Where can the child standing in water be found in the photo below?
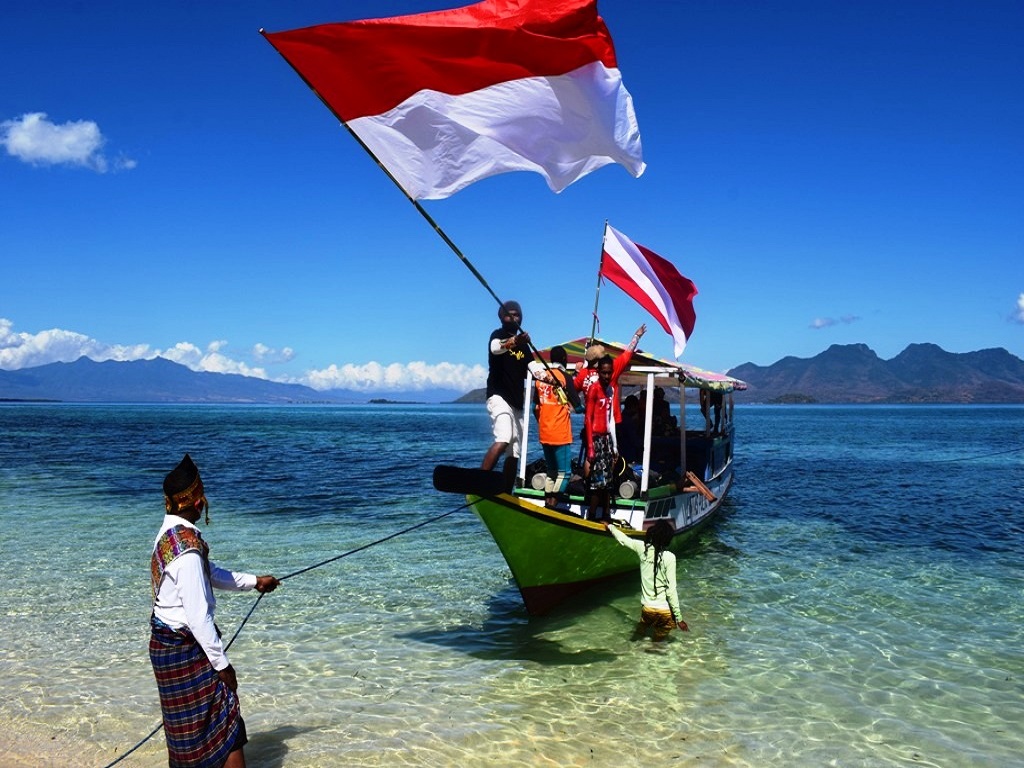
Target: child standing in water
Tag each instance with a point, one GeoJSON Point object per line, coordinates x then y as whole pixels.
{"type": "Point", "coordinates": [659, 599]}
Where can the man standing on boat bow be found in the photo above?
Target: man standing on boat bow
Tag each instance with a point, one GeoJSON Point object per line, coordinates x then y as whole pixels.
{"type": "Point", "coordinates": [508, 358]}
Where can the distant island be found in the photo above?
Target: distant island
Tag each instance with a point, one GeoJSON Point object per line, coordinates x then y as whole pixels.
{"type": "Point", "coordinates": [852, 373]}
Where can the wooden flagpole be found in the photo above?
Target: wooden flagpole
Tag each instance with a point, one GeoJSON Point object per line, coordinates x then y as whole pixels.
{"type": "Point", "coordinates": [423, 212]}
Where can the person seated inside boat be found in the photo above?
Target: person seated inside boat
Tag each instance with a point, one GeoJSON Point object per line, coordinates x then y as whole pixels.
{"type": "Point", "coordinates": [628, 433]}
{"type": "Point", "coordinates": [664, 424]}
{"type": "Point", "coordinates": [661, 407]}
{"type": "Point", "coordinates": [600, 441]}
{"type": "Point", "coordinates": [641, 408]}
{"type": "Point", "coordinates": [664, 455]}
{"type": "Point", "coordinates": [667, 426]}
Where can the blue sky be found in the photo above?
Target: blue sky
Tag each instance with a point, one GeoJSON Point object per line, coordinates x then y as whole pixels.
{"type": "Point", "coordinates": [825, 172]}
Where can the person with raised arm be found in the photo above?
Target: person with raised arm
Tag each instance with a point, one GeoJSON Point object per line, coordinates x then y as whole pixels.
{"type": "Point", "coordinates": [659, 599]}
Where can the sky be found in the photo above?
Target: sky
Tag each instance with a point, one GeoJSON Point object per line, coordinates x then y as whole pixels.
{"type": "Point", "coordinates": [824, 172]}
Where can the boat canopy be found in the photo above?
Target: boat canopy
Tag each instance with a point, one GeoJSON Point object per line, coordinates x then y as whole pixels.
{"type": "Point", "coordinates": [665, 371]}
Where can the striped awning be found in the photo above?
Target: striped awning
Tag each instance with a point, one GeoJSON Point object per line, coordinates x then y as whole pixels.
{"type": "Point", "coordinates": [642, 363]}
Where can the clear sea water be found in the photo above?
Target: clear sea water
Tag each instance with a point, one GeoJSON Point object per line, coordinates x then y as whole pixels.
{"type": "Point", "coordinates": [860, 603]}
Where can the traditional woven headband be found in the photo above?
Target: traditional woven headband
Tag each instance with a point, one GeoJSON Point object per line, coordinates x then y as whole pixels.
{"type": "Point", "coordinates": [189, 496]}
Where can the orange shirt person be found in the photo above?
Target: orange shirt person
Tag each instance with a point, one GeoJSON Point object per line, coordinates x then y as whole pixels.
{"type": "Point", "coordinates": [554, 425]}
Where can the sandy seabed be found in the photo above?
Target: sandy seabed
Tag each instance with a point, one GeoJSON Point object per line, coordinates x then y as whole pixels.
{"type": "Point", "coordinates": [35, 745]}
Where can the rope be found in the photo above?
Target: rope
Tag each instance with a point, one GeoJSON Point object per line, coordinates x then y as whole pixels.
{"type": "Point", "coordinates": [974, 458]}
{"type": "Point", "coordinates": [322, 563]}
{"type": "Point", "coordinates": [378, 541]}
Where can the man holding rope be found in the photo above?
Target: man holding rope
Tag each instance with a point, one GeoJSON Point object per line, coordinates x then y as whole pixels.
{"type": "Point", "coordinates": [197, 684]}
{"type": "Point", "coordinates": [508, 357]}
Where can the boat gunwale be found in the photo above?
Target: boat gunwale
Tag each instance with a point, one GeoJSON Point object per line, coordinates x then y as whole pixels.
{"type": "Point", "coordinates": [526, 506]}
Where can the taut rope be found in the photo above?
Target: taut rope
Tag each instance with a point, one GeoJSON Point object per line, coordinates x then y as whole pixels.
{"type": "Point", "coordinates": [322, 563]}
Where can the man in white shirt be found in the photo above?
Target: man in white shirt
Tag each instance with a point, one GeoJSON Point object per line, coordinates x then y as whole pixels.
{"type": "Point", "coordinates": [197, 684]}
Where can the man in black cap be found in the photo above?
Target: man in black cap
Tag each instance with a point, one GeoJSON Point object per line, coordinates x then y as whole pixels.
{"type": "Point", "coordinates": [197, 684]}
{"type": "Point", "coordinates": [508, 356]}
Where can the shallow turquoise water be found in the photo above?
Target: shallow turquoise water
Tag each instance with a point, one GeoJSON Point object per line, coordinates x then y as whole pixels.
{"type": "Point", "coordinates": [860, 604]}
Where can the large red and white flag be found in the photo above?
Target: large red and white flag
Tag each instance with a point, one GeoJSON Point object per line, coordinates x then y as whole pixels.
{"type": "Point", "coordinates": [447, 98]}
{"type": "Point", "coordinates": [653, 282]}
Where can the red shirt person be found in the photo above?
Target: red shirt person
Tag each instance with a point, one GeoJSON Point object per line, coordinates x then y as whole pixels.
{"type": "Point", "coordinates": [587, 376]}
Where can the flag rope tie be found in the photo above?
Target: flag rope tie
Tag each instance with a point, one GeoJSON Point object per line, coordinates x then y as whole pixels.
{"type": "Point", "coordinates": [322, 563]}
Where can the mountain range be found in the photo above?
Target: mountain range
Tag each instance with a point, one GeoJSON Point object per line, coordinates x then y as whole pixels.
{"type": "Point", "coordinates": [163, 381]}
{"type": "Point", "coordinates": [853, 373]}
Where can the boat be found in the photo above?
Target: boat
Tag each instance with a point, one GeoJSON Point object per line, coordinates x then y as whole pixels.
{"type": "Point", "coordinates": [554, 553]}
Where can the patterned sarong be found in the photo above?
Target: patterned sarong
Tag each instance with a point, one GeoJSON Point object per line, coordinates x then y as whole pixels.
{"type": "Point", "coordinates": [602, 477]}
{"type": "Point", "coordinates": [659, 620]}
{"type": "Point", "coordinates": [202, 720]}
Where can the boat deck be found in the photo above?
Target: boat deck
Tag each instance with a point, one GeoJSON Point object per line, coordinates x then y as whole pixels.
{"type": "Point", "coordinates": [708, 463]}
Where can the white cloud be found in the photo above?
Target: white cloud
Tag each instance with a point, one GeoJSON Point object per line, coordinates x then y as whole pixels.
{"type": "Point", "coordinates": [263, 353]}
{"type": "Point", "coordinates": [216, 362]}
{"type": "Point", "coordinates": [827, 322]}
{"type": "Point", "coordinates": [28, 350]}
{"type": "Point", "coordinates": [1018, 315]}
{"type": "Point", "coordinates": [34, 139]}
{"type": "Point", "coordinates": [415, 376]}
{"type": "Point", "coordinates": [211, 359]}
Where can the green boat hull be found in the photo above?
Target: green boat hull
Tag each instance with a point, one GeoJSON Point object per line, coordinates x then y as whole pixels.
{"type": "Point", "coordinates": [676, 473]}
{"type": "Point", "coordinates": [553, 554]}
